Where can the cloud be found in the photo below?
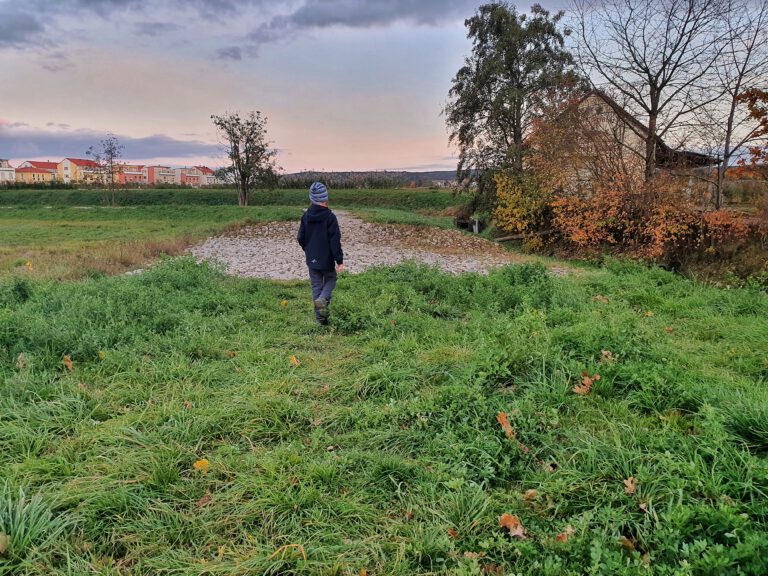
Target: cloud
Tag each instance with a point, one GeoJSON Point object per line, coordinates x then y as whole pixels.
{"type": "Point", "coordinates": [154, 29]}
{"type": "Point", "coordinates": [318, 14]}
{"type": "Point", "coordinates": [17, 28]}
{"type": "Point", "coordinates": [230, 53]}
{"type": "Point", "coordinates": [20, 140]}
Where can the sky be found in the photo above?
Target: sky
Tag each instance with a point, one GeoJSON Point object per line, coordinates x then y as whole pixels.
{"type": "Point", "coordinates": [344, 84]}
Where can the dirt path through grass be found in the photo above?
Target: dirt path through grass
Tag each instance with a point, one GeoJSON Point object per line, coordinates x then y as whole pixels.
{"type": "Point", "coordinates": [269, 250]}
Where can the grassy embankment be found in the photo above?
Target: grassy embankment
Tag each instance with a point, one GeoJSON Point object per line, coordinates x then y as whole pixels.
{"type": "Point", "coordinates": [68, 234]}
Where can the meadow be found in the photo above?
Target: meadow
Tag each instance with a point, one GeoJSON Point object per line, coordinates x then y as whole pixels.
{"type": "Point", "coordinates": [181, 421]}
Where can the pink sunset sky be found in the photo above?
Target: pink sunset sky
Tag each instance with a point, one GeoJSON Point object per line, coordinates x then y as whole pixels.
{"type": "Point", "coordinates": [345, 85]}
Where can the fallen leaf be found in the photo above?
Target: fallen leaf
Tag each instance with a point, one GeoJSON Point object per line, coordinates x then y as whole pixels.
{"type": "Point", "coordinates": [188, 405]}
{"type": "Point", "coordinates": [512, 523]}
{"type": "Point", "coordinates": [530, 495]}
{"type": "Point", "coordinates": [293, 360]}
{"type": "Point", "coordinates": [230, 353]}
{"type": "Point", "coordinates": [363, 572]}
{"type": "Point", "coordinates": [453, 534]}
{"type": "Point", "coordinates": [606, 356]}
{"type": "Point", "coordinates": [626, 543]}
{"type": "Point", "coordinates": [473, 555]}
{"type": "Point", "coordinates": [586, 383]}
{"type": "Point", "coordinates": [563, 536]}
{"type": "Point", "coordinates": [283, 303]}
{"type": "Point", "coordinates": [629, 485]}
{"type": "Point", "coordinates": [648, 314]}
{"type": "Point", "coordinates": [5, 543]}
{"type": "Point", "coordinates": [202, 465]}
{"type": "Point", "coordinates": [21, 362]}
{"type": "Point", "coordinates": [205, 500]}
{"type": "Point", "coordinates": [67, 361]}
{"type": "Point", "coordinates": [28, 265]}
{"type": "Point", "coordinates": [643, 506]}
{"type": "Point", "coordinates": [502, 419]}
{"type": "Point", "coordinates": [600, 298]}
{"type": "Point", "coordinates": [669, 329]}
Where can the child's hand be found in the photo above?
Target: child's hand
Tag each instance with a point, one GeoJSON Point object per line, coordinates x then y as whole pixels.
{"type": "Point", "coordinates": [340, 268]}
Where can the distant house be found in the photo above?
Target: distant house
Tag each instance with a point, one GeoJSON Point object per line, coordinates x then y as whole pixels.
{"type": "Point", "coordinates": [159, 175]}
{"type": "Point", "coordinates": [79, 170]}
{"type": "Point", "coordinates": [32, 175]}
{"type": "Point", "coordinates": [51, 167]}
{"type": "Point", "coordinates": [132, 174]}
{"type": "Point", "coordinates": [207, 176]}
{"type": "Point", "coordinates": [7, 172]}
{"type": "Point", "coordinates": [188, 177]}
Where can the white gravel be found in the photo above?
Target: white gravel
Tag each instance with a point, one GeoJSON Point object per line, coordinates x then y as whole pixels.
{"type": "Point", "coordinates": [270, 250]}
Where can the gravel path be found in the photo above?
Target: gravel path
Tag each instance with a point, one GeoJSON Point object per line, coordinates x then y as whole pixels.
{"type": "Point", "coordinates": [270, 250]}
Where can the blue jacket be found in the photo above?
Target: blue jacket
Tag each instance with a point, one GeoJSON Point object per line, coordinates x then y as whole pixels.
{"type": "Point", "coordinates": [320, 238]}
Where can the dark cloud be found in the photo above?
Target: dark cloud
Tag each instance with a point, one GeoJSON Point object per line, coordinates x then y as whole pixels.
{"type": "Point", "coordinates": [230, 53]}
{"type": "Point", "coordinates": [20, 141]}
{"type": "Point", "coordinates": [155, 29]}
{"type": "Point", "coordinates": [314, 14]}
{"type": "Point", "coordinates": [18, 29]}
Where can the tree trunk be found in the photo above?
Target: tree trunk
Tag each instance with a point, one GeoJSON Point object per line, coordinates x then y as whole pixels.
{"type": "Point", "coordinates": [650, 147]}
{"type": "Point", "coordinates": [242, 196]}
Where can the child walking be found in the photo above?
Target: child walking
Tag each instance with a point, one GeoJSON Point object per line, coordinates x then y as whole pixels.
{"type": "Point", "coordinates": [320, 238]}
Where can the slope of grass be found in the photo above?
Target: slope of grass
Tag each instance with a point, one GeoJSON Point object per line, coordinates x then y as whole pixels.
{"type": "Point", "coordinates": [205, 425]}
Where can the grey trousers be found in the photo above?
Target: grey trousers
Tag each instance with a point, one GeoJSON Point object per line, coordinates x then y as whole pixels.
{"type": "Point", "coordinates": [323, 282]}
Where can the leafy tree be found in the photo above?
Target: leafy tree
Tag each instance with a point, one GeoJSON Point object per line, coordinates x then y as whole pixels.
{"type": "Point", "coordinates": [245, 141]}
{"type": "Point", "coordinates": [107, 158]}
{"type": "Point", "coordinates": [518, 67]}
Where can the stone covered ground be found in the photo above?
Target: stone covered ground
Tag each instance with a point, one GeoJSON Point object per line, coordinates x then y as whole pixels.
{"type": "Point", "coordinates": [270, 250]}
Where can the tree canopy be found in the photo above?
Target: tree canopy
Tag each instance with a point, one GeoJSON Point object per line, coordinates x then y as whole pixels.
{"type": "Point", "coordinates": [518, 67]}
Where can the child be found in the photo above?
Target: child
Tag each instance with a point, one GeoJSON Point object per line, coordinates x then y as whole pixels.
{"type": "Point", "coordinates": [320, 238]}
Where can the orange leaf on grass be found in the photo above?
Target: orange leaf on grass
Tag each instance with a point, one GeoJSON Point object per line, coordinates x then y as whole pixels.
{"type": "Point", "coordinates": [202, 465]}
{"type": "Point", "coordinates": [293, 360]}
{"type": "Point", "coordinates": [502, 419]}
{"type": "Point", "coordinates": [530, 495]}
{"type": "Point", "coordinates": [586, 383]}
{"type": "Point", "coordinates": [563, 536]}
{"type": "Point", "coordinates": [67, 361]}
{"type": "Point", "coordinates": [512, 523]}
{"type": "Point", "coordinates": [453, 534]}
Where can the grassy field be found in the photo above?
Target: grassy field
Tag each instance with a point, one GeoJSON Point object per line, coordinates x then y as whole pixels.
{"type": "Point", "coordinates": [69, 234]}
{"type": "Point", "coordinates": [184, 422]}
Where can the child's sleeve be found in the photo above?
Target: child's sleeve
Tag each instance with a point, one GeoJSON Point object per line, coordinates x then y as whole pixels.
{"type": "Point", "coordinates": [301, 236]}
{"type": "Point", "coordinates": [334, 236]}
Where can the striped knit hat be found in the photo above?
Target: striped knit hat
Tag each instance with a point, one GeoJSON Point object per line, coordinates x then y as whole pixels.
{"type": "Point", "coordinates": [318, 193]}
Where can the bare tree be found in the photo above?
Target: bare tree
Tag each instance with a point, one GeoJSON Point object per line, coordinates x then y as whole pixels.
{"type": "Point", "coordinates": [727, 125]}
{"type": "Point", "coordinates": [108, 166]}
{"type": "Point", "coordinates": [657, 54]}
{"type": "Point", "coordinates": [246, 145]}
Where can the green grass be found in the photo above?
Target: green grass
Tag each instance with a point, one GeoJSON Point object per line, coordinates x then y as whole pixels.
{"type": "Point", "coordinates": [381, 450]}
{"type": "Point", "coordinates": [396, 199]}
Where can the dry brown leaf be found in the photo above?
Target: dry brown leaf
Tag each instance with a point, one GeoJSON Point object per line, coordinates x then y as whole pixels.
{"type": "Point", "coordinates": [564, 536]}
{"type": "Point", "coordinates": [600, 298]}
{"type": "Point", "coordinates": [512, 523]}
{"type": "Point", "coordinates": [629, 485]}
{"type": "Point", "coordinates": [205, 500]}
{"type": "Point", "coordinates": [453, 534]}
{"type": "Point", "coordinates": [21, 362]}
{"type": "Point", "coordinates": [5, 543]}
{"type": "Point", "coordinates": [530, 495]}
{"type": "Point", "coordinates": [293, 360]}
{"type": "Point", "coordinates": [669, 329]}
{"type": "Point", "coordinates": [67, 361]}
{"type": "Point", "coordinates": [606, 356]}
{"type": "Point", "coordinates": [188, 405]}
{"type": "Point", "coordinates": [648, 314]}
{"type": "Point", "coordinates": [626, 543]}
{"type": "Point", "coordinates": [230, 353]}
